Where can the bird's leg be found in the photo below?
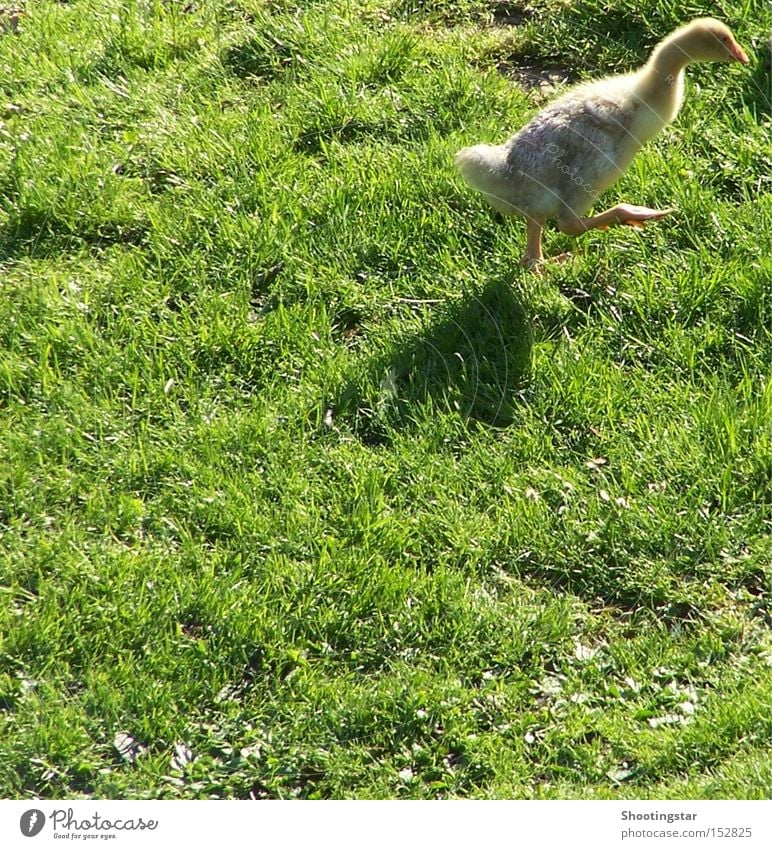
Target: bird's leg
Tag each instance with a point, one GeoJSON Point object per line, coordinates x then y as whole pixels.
{"type": "Point", "coordinates": [533, 255]}
{"type": "Point", "coordinates": [622, 213]}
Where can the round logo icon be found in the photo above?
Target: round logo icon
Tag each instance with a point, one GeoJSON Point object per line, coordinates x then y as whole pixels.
{"type": "Point", "coordinates": [32, 822]}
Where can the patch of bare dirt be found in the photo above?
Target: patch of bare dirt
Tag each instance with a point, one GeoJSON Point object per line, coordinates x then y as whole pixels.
{"type": "Point", "coordinates": [540, 80]}
{"type": "Point", "coordinates": [508, 14]}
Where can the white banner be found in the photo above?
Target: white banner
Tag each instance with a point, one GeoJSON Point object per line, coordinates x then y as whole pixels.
{"type": "Point", "coordinates": [373, 824]}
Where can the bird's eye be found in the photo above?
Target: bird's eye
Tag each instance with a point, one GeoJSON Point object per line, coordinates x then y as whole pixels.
{"type": "Point", "coordinates": [725, 39]}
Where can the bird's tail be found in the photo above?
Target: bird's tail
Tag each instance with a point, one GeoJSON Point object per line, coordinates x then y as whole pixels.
{"type": "Point", "coordinates": [484, 168]}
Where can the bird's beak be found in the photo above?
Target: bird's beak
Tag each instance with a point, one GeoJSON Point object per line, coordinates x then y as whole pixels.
{"type": "Point", "coordinates": [738, 53]}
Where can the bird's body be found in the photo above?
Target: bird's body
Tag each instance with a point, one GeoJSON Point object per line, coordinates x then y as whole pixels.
{"type": "Point", "coordinates": [582, 143]}
{"type": "Point", "coordinates": [563, 159]}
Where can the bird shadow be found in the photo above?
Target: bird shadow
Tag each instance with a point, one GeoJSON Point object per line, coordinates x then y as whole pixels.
{"type": "Point", "coordinates": [470, 358]}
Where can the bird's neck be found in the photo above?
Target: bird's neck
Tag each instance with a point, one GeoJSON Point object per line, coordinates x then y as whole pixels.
{"type": "Point", "coordinates": [670, 57]}
{"type": "Point", "coordinates": [661, 80]}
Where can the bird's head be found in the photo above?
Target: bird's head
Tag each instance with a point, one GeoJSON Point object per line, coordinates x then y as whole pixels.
{"type": "Point", "coordinates": [709, 40]}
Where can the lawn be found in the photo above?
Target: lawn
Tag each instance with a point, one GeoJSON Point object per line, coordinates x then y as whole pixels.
{"type": "Point", "coordinates": [307, 488]}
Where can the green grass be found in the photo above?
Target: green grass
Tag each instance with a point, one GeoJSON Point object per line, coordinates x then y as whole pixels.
{"type": "Point", "coordinates": [306, 487]}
